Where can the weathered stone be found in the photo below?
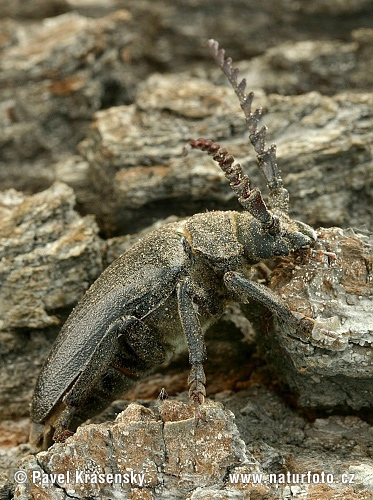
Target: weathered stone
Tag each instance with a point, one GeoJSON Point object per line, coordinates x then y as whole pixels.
{"type": "Point", "coordinates": [9, 32]}
{"type": "Point", "coordinates": [137, 167]}
{"type": "Point", "coordinates": [49, 256]}
{"type": "Point", "coordinates": [173, 457]}
{"type": "Point", "coordinates": [136, 152]}
{"type": "Point", "coordinates": [164, 32]}
{"type": "Point", "coordinates": [180, 459]}
{"type": "Point", "coordinates": [37, 9]}
{"type": "Point", "coordinates": [22, 354]}
{"type": "Point", "coordinates": [337, 7]}
{"type": "Point", "coordinates": [285, 441]}
{"type": "Point", "coordinates": [52, 81]}
{"type": "Point", "coordinates": [364, 71]}
{"type": "Point", "coordinates": [331, 364]}
{"type": "Point", "coordinates": [297, 67]}
{"type": "Point", "coordinates": [319, 138]}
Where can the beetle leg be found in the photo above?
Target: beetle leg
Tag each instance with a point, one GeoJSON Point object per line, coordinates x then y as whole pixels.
{"type": "Point", "coordinates": [142, 341]}
{"type": "Point", "coordinates": [196, 344]}
{"type": "Point", "coordinates": [136, 337]}
{"type": "Point", "coordinates": [244, 289]}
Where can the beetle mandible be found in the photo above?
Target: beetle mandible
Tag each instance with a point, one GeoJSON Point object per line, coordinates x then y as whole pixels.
{"type": "Point", "coordinates": [166, 290]}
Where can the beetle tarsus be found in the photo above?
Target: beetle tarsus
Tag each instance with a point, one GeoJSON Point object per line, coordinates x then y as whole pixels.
{"type": "Point", "coordinates": [60, 437]}
{"type": "Point", "coordinates": [197, 381]}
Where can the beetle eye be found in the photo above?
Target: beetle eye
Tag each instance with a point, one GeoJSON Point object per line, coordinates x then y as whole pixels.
{"type": "Point", "coordinates": [277, 252]}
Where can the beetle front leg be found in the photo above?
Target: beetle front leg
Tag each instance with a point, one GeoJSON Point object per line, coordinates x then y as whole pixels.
{"type": "Point", "coordinates": [196, 344]}
{"type": "Point", "coordinates": [244, 289]}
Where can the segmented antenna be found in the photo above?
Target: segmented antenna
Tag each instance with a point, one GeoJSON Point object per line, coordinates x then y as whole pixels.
{"type": "Point", "coordinates": [250, 199]}
{"type": "Point", "coordinates": [266, 157]}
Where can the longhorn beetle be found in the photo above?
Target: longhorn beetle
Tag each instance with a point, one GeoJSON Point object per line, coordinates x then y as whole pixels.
{"type": "Point", "coordinates": [167, 289]}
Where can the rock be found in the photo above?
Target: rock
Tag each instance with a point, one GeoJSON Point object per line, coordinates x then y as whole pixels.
{"type": "Point", "coordinates": [51, 82]}
{"type": "Point", "coordinates": [285, 441]}
{"type": "Point", "coordinates": [297, 67]}
{"type": "Point", "coordinates": [48, 98]}
{"type": "Point", "coordinates": [163, 32]}
{"type": "Point", "coordinates": [337, 8]}
{"type": "Point", "coordinates": [136, 156]}
{"type": "Point", "coordinates": [167, 455]}
{"type": "Point", "coordinates": [331, 364]}
{"type": "Point", "coordinates": [22, 355]}
{"type": "Point", "coordinates": [37, 9]}
{"type": "Point", "coordinates": [315, 144]}
{"type": "Point", "coordinates": [300, 67]}
{"type": "Point", "coordinates": [162, 453]}
{"type": "Point", "coordinates": [136, 162]}
{"type": "Point", "coordinates": [49, 256]}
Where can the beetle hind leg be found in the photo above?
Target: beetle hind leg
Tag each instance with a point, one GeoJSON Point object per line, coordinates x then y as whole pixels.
{"type": "Point", "coordinates": [142, 341]}
{"type": "Point", "coordinates": [124, 353]}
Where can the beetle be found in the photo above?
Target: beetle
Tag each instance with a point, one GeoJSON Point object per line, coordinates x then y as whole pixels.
{"type": "Point", "coordinates": [161, 295]}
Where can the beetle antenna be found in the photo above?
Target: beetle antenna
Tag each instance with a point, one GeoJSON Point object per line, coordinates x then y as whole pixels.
{"type": "Point", "coordinates": [267, 160]}
{"type": "Point", "coordinates": [250, 199]}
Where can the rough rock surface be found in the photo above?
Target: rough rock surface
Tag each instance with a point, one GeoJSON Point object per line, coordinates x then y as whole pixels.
{"type": "Point", "coordinates": [49, 256]}
{"type": "Point", "coordinates": [250, 28]}
{"type": "Point", "coordinates": [330, 364]}
{"type": "Point", "coordinates": [136, 156]}
{"type": "Point", "coordinates": [51, 82]}
{"type": "Point", "coordinates": [297, 67]}
{"type": "Point", "coordinates": [37, 9]}
{"type": "Point", "coordinates": [56, 73]}
{"type": "Point", "coordinates": [164, 454]}
{"type": "Point", "coordinates": [137, 165]}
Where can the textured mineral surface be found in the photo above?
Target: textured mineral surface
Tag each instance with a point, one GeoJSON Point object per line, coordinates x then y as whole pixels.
{"type": "Point", "coordinates": [97, 101]}
{"type": "Point", "coordinates": [330, 363]}
{"type": "Point", "coordinates": [166, 453]}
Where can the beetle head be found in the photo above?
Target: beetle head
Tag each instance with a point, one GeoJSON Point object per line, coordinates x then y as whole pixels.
{"type": "Point", "coordinates": [283, 236]}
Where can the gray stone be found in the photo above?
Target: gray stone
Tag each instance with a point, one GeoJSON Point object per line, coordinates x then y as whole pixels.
{"type": "Point", "coordinates": [331, 364]}
{"type": "Point", "coordinates": [296, 67]}
{"type": "Point", "coordinates": [180, 459]}
{"type": "Point", "coordinates": [51, 82]}
{"type": "Point", "coordinates": [37, 9]}
{"type": "Point", "coordinates": [173, 454]}
{"type": "Point", "coordinates": [49, 256]}
{"type": "Point", "coordinates": [136, 156]}
{"type": "Point", "coordinates": [137, 166]}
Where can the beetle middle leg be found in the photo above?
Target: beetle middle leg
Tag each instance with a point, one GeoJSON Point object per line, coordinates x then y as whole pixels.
{"type": "Point", "coordinates": [196, 344]}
